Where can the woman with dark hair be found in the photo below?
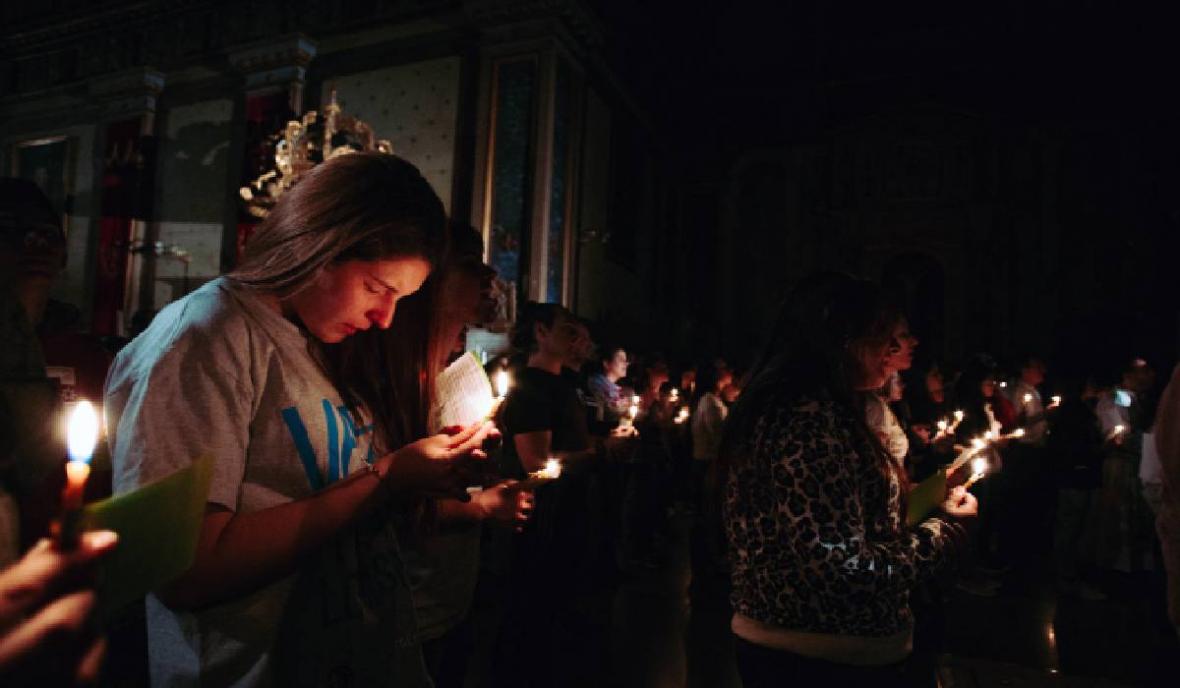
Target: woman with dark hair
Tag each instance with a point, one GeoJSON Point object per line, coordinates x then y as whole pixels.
{"type": "Point", "coordinates": [823, 563]}
{"type": "Point", "coordinates": [604, 384]}
{"type": "Point", "coordinates": [235, 372]}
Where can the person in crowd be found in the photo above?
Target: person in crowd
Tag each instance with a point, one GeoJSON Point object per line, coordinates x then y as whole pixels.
{"type": "Point", "coordinates": [440, 538]}
{"type": "Point", "coordinates": [928, 405]}
{"type": "Point", "coordinates": [1074, 448]}
{"type": "Point", "coordinates": [1029, 475]}
{"type": "Point", "coordinates": [823, 563]}
{"type": "Point", "coordinates": [1167, 442]}
{"type": "Point", "coordinates": [48, 634]}
{"type": "Point", "coordinates": [604, 384]}
{"type": "Point", "coordinates": [708, 420]}
{"type": "Point", "coordinates": [977, 395]}
{"type": "Point", "coordinates": [46, 363]}
{"type": "Point", "coordinates": [235, 371]}
{"type": "Point", "coordinates": [1124, 537]}
{"type": "Point", "coordinates": [541, 418]}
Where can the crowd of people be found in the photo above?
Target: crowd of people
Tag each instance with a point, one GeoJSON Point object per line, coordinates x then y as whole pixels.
{"type": "Point", "coordinates": [346, 541]}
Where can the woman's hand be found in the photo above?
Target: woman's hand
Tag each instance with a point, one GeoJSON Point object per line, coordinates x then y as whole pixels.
{"type": "Point", "coordinates": [442, 465]}
{"type": "Point", "coordinates": [47, 634]}
{"type": "Point", "coordinates": [507, 503]}
{"type": "Point", "coordinates": [961, 504]}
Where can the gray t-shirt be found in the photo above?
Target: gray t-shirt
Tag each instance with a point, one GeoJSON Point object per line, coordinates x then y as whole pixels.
{"type": "Point", "coordinates": [220, 373]}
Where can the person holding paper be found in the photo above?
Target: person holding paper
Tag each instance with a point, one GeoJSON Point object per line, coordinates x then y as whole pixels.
{"type": "Point", "coordinates": [234, 371]}
{"type": "Point", "coordinates": [823, 564]}
{"type": "Point", "coordinates": [441, 537]}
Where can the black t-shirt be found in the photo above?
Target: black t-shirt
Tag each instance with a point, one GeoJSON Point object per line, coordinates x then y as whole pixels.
{"type": "Point", "coordinates": [541, 401]}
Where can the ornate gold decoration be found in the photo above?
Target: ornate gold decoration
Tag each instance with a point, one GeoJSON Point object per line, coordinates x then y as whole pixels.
{"type": "Point", "coordinates": [302, 145]}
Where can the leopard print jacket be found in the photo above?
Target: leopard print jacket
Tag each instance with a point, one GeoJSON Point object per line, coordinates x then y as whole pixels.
{"type": "Point", "coordinates": [817, 538]}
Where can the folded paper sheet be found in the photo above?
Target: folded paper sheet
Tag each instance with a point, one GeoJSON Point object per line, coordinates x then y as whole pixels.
{"type": "Point", "coordinates": [926, 497]}
{"type": "Point", "coordinates": [463, 394]}
{"type": "Point", "coordinates": [158, 526]}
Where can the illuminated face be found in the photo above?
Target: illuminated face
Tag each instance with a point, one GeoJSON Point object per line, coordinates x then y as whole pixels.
{"type": "Point", "coordinates": [356, 295]}
{"type": "Point", "coordinates": [900, 355]}
{"type": "Point", "coordinates": [562, 341]}
{"type": "Point", "coordinates": [616, 366]}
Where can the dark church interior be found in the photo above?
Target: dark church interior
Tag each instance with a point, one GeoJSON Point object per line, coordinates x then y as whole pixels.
{"type": "Point", "coordinates": [690, 221]}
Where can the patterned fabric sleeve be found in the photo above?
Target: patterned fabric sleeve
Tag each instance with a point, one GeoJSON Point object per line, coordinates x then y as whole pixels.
{"type": "Point", "coordinates": [816, 475]}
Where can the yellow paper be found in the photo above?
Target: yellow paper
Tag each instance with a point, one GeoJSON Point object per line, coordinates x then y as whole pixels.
{"type": "Point", "coordinates": [158, 526]}
{"type": "Point", "coordinates": [926, 497]}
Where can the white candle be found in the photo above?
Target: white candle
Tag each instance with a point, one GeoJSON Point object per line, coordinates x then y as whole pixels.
{"type": "Point", "coordinates": [502, 384]}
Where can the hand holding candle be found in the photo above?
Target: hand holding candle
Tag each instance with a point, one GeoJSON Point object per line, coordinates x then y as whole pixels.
{"type": "Point", "coordinates": [551, 471]}
{"type": "Point", "coordinates": [502, 384]}
{"type": "Point", "coordinates": [978, 470]}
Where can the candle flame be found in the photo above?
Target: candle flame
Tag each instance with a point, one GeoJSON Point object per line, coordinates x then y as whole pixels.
{"type": "Point", "coordinates": [633, 411]}
{"type": "Point", "coordinates": [942, 424]}
{"type": "Point", "coordinates": [1056, 399]}
{"type": "Point", "coordinates": [77, 472]}
{"type": "Point", "coordinates": [989, 435]}
{"type": "Point", "coordinates": [502, 383]}
{"type": "Point", "coordinates": [979, 465]}
{"type": "Point", "coordinates": [1018, 432]}
{"type": "Point", "coordinates": [978, 443]}
{"type": "Point", "coordinates": [552, 469]}
{"type": "Point", "coordinates": [1118, 429]}
{"type": "Point", "coordinates": [83, 432]}
{"type": "Point", "coordinates": [1027, 398]}
{"type": "Point", "coordinates": [959, 416]}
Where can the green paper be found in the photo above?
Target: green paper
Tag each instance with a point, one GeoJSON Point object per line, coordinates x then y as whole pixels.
{"type": "Point", "coordinates": [158, 526]}
{"type": "Point", "coordinates": [926, 497]}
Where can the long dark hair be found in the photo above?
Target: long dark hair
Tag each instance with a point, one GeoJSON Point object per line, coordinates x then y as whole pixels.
{"type": "Point", "coordinates": [812, 352]}
{"type": "Point", "coordinates": [392, 372]}
{"type": "Point", "coordinates": [360, 206]}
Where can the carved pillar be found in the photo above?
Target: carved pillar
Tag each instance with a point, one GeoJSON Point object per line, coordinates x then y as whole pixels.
{"type": "Point", "coordinates": [274, 72]}
{"type": "Point", "coordinates": [127, 108]}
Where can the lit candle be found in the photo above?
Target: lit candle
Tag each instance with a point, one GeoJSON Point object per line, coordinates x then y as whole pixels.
{"type": "Point", "coordinates": [1015, 434]}
{"type": "Point", "coordinates": [978, 470]}
{"type": "Point", "coordinates": [502, 384]}
{"type": "Point", "coordinates": [81, 436]}
{"type": "Point", "coordinates": [1055, 401]}
{"type": "Point", "coordinates": [1028, 398]}
{"type": "Point", "coordinates": [978, 443]}
{"type": "Point", "coordinates": [674, 395]}
{"type": "Point", "coordinates": [1003, 385]}
{"type": "Point", "coordinates": [682, 415]}
{"type": "Point", "coordinates": [551, 471]}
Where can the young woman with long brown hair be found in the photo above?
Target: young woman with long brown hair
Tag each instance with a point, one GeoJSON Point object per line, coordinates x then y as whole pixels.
{"type": "Point", "coordinates": [234, 371]}
{"type": "Point", "coordinates": [823, 563]}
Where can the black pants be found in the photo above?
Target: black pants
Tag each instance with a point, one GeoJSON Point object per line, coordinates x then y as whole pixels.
{"type": "Point", "coordinates": [762, 667]}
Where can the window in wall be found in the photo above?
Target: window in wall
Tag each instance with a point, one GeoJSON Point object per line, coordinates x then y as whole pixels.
{"type": "Point", "coordinates": [559, 196]}
{"type": "Point", "coordinates": [513, 116]}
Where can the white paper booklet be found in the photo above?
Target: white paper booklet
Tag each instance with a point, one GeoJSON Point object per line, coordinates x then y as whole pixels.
{"type": "Point", "coordinates": [463, 394]}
